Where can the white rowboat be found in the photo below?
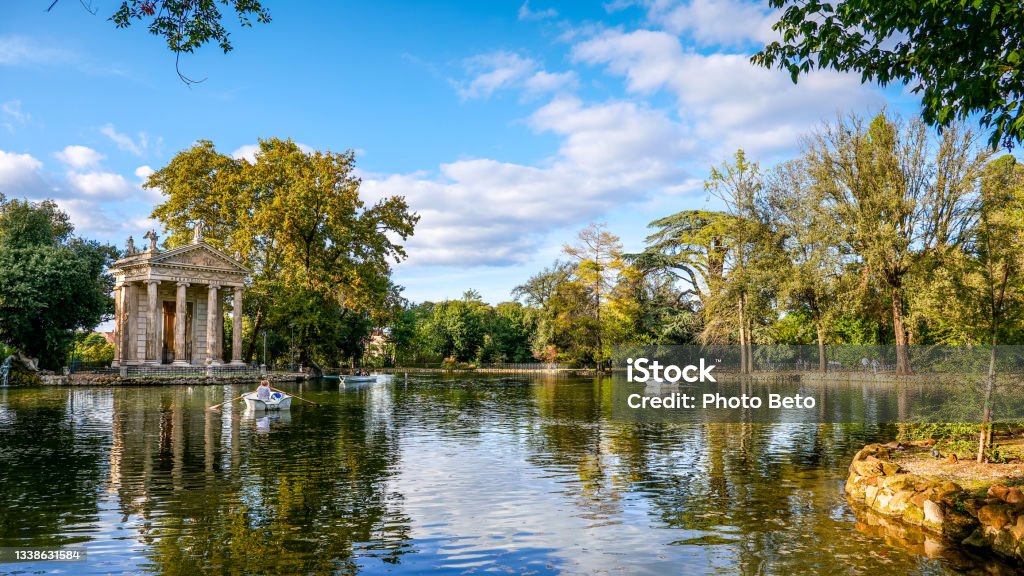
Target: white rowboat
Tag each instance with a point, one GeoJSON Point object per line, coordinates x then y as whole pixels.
{"type": "Point", "coordinates": [358, 379]}
{"type": "Point", "coordinates": [277, 401]}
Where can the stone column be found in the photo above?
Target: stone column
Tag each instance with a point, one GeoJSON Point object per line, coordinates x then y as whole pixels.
{"type": "Point", "coordinates": [153, 323]}
{"type": "Point", "coordinates": [213, 316]}
{"type": "Point", "coordinates": [118, 325]}
{"type": "Point", "coordinates": [131, 331]}
{"type": "Point", "coordinates": [236, 327]}
{"type": "Point", "coordinates": [180, 308]}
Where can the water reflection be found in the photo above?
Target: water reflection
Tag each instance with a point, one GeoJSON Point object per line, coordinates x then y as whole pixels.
{"type": "Point", "coordinates": [431, 474]}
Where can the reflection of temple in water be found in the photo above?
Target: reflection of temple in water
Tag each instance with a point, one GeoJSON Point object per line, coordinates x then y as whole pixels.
{"type": "Point", "coordinates": [170, 448]}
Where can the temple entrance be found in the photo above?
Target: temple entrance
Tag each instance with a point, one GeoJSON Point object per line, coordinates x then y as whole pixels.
{"type": "Point", "coordinates": [167, 355]}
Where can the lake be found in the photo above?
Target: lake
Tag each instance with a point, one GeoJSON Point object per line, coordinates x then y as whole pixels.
{"type": "Point", "coordinates": [432, 473]}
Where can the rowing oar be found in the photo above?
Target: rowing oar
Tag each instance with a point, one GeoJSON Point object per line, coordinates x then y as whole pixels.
{"type": "Point", "coordinates": [294, 395]}
{"type": "Point", "coordinates": [215, 406]}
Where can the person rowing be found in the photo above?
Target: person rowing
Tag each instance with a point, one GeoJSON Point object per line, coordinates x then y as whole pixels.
{"type": "Point", "coordinates": [263, 392]}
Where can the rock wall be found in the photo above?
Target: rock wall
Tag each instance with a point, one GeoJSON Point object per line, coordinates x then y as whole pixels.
{"type": "Point", "coordinates": [989, 520]}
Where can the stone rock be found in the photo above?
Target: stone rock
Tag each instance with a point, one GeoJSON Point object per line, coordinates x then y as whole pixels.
{"type": "Point", "coordinates": [919, 499]}
{"type": "Point", "coordinates": [889, 468]}
{"type": "Point", "coordinates": [998, 491]}
{"type": "Point", "coordinates": [867, 467]}
{"type": "Point", "coordinates": [1018, 529]}
{"type": "Point", "coordinates": [949, 487]}
{"type": "Point", "coordinates": [933, 513]}
{"type": "Point", "coordinates": [994, 515]}
{"type": "Point", "coordinates": [913, 515]}
{"type": "Point", "coordinates": [976, 539]}
{"type": "Point", "coordinates": [1014, 496]}
{"type": "Point", "coordinates": [870, 493]}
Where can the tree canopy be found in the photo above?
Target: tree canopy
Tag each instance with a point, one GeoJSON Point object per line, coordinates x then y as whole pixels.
{"type": "Point", "coordinates": [53, 282]}
{"type": "Point", "coordinates": [964, 56]}
{"type": "Point", "coordinates": [321, 256]}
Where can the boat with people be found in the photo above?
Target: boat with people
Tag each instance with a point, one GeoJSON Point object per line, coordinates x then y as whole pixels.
{"type": "Point", "coordinates": [276, 401]}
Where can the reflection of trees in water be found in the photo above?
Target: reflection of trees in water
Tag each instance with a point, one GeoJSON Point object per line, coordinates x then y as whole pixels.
{"type": "Point", "coordinates": [212, 494]}
{"type": "Point", "coordinates": [49, 470]}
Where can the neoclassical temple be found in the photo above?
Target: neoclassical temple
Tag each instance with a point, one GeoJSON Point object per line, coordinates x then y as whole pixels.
{"type": "Point", "coordinates": [169, 306]}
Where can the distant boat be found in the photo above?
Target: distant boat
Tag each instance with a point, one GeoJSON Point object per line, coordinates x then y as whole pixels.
{"type": "Point", "coordinates": [277, 401]}
{"type": "Point", "coordinates": [358, 379]}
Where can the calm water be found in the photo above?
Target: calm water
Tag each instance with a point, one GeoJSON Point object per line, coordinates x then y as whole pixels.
{"type": "Point", "coordinates": [433, 474]}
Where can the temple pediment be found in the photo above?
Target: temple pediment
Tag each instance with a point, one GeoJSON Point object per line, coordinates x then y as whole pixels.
{"type": "Point", "coordinates": [200, 255]}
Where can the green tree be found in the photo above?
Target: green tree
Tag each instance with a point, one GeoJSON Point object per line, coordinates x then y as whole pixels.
{"type": "Point", "coordinates": [815, 281]}
{"type": "Point", "coordinates": [597, 254]}
{"type": "Point", "coordinates": [53, 283]}
{"type": "Point", "coordinates": [899, 200]}
{"type": "Point", "coordinates": [963, 57]}
{"type": "Point", "coordinates": [297, 220]}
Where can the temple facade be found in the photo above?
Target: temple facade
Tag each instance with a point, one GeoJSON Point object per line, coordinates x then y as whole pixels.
{"type": "Point", "coordinates": [169, 305]}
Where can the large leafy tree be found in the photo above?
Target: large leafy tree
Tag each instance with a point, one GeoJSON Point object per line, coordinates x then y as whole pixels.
{"type": "Point", "coordinates": [53, 282]}
{"type": "Point", "coordinates": [963, 56]}
{"type": "Point", "coordinates": [296, 218]}
{"type": "Point", "coordinates": [900, 201]}
{"type": "Point", "coordinates": [815, 282]}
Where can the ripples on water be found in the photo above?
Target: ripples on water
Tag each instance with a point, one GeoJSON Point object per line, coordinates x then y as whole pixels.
{"type": "Point", "coordinates": [429, 474]}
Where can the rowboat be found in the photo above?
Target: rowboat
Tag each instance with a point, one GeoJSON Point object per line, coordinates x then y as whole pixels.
{"type": "Point", "coordinates": [358, 379]}
{"type": "Point", "coordinates": [277, 401]}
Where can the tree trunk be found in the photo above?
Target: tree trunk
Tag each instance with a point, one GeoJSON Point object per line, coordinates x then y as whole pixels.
{"type": "Point", "coordinates": [750, 346]}
{"type": "Point", "coordinates": [985, 435]}
{"type": "Point", "coordinates": [743, 341]}
{"type": "Point", "coordinates": [902, 351]}
{"type": "Point", "coordinates": [822, 363]}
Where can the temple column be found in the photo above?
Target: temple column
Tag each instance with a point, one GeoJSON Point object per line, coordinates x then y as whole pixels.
{"type": "Point", "coordinates": [131, 331]}
{"type": "Point", "coordinates": [179, 325]}
{"type": "Point", "coordinates": [118, 324]}
{"type": "Point", "coordinates": [236, 327]}
{"type": "Point", "coordinates": [153, 323]}
{"type": "Point", "coordinates": [213, 317]}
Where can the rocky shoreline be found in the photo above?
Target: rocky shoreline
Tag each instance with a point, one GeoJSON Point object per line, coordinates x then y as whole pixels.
{"type": "Point", "coordinates": [986, 515]}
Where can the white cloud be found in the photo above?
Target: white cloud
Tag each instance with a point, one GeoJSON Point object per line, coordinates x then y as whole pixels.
{"type": "Point", "coordinates": [20, 175]}
{"type": "Point", "coordinates": [13, 115]}
{"type": "Point", "coordinates": [525, 13]}
{"type": "Point", "coordinates": [101, 185]}
{"type": "Point", "coordinates": [727, 101]}
{"type": "Point", "coordinates": [727, 23]}
{"type": "Point", "coordinates": [144, 172]}
{"type": "Point", "coordinates": [19, 50]}
{"type": "Point", "coordinates": [79, 157]}
{"type": "Point", "coordinates": [482, 211]}
{"type": "Point", "coordinates": [12, 109]}
{"type": "Point", "coordinates": [506, 70]}
{"type": "Point", "coordinates": [136, 146]}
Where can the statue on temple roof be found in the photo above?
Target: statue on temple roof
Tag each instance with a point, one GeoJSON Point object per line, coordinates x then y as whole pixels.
{"type": "Point", "coordinates": [130, 248]}
{"type": "Point", "coordinates": [197, 232]}
{"type": "Point", "coordinates": [152, 237]}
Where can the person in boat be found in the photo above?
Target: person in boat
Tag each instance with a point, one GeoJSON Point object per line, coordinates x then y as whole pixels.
{"type": "Point", "coordinates": [263, 392]}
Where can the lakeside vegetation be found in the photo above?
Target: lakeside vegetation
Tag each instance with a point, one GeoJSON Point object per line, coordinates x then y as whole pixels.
{"type": "Point", "coordinates": [879, 233]}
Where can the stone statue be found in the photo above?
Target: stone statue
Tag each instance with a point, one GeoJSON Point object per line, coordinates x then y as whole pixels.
{"type": "Point", "coordinates": [130, 249]}
{"type": "Point", "coordinates": [197, 233]}
{"type": "Point", "coordinates": [152, 237]}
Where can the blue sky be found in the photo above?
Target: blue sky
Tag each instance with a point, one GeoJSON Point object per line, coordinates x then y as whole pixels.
{"type": "Point", "coordinates": [507, 125]}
